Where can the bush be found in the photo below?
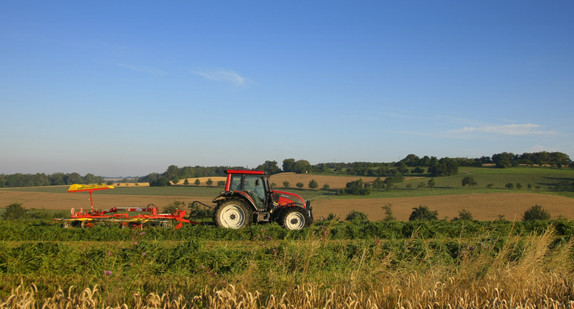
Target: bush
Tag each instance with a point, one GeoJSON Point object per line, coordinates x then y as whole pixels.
{"type": "Point", "coordinates": [313, 184]}
{"type": "Point", "coordinates": [464, 214]}
{"type": "Point", "coordinates": [468, 181]}
{"type": "Point", "coordinates": [357, 187]}
{"type": "Point", "coordinates": [357, 216]}
{"type": "Point", "coordinates": [388, 212]}
{"type": "Point", "coordinates": [15, 211]}
{"type": "Point", "coordinates": [423, 213]}
{"type": "Point", "coordinates": [536, 212]}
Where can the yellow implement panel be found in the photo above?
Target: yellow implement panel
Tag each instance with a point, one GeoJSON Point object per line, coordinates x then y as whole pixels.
{"type": "Point", "coordinates": [80, 188]}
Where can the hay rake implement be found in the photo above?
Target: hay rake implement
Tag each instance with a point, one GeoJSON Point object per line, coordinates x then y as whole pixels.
{"type": "Point", "coordinates": [125, 216]}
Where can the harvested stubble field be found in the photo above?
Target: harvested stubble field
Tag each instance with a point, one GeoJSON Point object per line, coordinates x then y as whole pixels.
{"type": "Point", "coordinates": [483, 206]}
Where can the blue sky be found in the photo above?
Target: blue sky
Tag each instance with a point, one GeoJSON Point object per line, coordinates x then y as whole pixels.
{"type": "Point", "coordinates": [125, 88]}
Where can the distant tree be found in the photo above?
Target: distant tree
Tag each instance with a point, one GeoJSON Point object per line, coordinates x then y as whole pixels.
{"type": "Point", "coordinates": [289, 165]}
{"type": "Point", "coordinates": [209, 182]}
{"type": "Point", "coordinates": [14, 211]}
{"type": "Point", "coordinates": [423, 213]}
{"type": "Point", "coordinates": [503, 160]}
{"type": "Point", "coordinates": [221, 183]}
{"type": "Point", "coordinates": [443, 167]}
{"type": "Point", "coordinates": [395, 178]}
{"type": "Point", "coordinates": [418, 170]}
{"type": "Point", "coordinates": [299, 185]}
{"type": "Point", "coordinates": [518, 185]}
{"type": "Point", "coordinates": [172, 173]}
{"type": "Point", "coordinates": [269, 167]}
{"type": "Point", "coordinates": [411, 160]}
{"type": "Point", "coordinates": [535, 212]}
{"type": "Point", "coordinates": [302, 166]}
{"type": "Point", "coordinates": [509, 185]}
{"type": "Point", "coordinates": [286, 184]}
{"type": "Point", "coordinates": [197, 182]}
{"type": "Point", "coordinates": [186, 182]}
{"type": "Point", "coordinates": [431, 183]}
{"type": "Point", "coordinates": [326, 187]}
{"type": "Point", "coordinates": [468, 181]}
{"type": "Point", "coordinates": [378, 184]}
{"type": "Point", "coordinates": [155, 180]}
{"type": "Point", "coordinates": [313, 184]}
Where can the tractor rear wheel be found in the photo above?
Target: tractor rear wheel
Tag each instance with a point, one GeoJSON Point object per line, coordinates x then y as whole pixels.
{"type": "Point", "coordinates": [294, 218]}
{"type": "Point", "coordinates": [233, 214]}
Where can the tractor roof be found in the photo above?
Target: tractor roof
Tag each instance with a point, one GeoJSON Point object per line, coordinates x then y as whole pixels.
{"type": "Point", "coordinates": [245, 172]}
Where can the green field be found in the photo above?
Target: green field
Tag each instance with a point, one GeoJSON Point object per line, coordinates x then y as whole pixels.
{"type": "Point", "coordinates": [332, 265]}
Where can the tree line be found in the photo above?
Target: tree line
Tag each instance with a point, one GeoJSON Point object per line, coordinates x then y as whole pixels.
{"type": "Point", "coordinates": [41, 179]}
{"type": "Point", "coordinates": [411, 164]}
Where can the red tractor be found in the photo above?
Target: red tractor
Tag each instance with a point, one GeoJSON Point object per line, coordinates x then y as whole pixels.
{"type": "Point", "coordinates": [249, 198]}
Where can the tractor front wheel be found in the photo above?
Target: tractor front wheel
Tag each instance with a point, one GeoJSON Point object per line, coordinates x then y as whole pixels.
{"type": "Point", "coordinates": [294, 218]}
{"type": "Point", "coordinates": [233, 214]}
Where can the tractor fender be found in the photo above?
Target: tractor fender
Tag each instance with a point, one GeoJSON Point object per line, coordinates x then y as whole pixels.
{"type": "Point", "coordinates": [235, 194]}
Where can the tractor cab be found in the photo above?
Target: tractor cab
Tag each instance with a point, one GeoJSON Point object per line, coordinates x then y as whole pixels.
{"type": "Point", "coordinates": [249, 198]}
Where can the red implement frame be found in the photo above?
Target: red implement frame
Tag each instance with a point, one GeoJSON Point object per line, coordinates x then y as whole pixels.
{"type": "Point", "coordinates": [149, 213]}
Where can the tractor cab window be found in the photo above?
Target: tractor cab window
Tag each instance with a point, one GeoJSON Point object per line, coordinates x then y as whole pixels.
{"type": "Point", "coordinates": [255, 187]}
{"type": "Point", "coordinates": [235, 183]}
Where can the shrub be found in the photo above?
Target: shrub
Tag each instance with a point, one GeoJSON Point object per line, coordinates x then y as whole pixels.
{"type": "Point", "coordinates": [423, 213]}
{"type": "Point", "coordinates": [14, 211]}
{"type": "Point", "coordinates": [535, 212]}
{"type": "Point", "coordinates": [357, 216]}
{"type": "Point", "coordinates": [357, 187]}
{"type": "Point", "coordinates": [388, 212]}
{"type": "Point", "coordinates": [299, 185]}
{"type": "Point", "coordinates": [209, 182]}
{"type": "Point", "coordinates": [173, 206]}
{"type": "Point", "coordinates": [313, 184]}
{"type": "Point", "coordinates": [332, 217]}
{"type": "Point", "coordinates": [468, 181]}
{"type": "Point", "coordinates": [286, 184]}
{"type": "Point", "coordinates": [326, 187]}
{"type": "Point", "coordinates": [464, 214]}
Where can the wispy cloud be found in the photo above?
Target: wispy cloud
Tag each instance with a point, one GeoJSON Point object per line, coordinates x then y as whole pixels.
{"type": "Point", "coordinates": [143, 69]}
{"type": "Point", "coordinates": [507, 129]}
{"type": "Point", "coordinates": [223, 76]}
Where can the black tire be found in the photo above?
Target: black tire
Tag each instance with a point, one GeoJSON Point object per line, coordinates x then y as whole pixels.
{"type": "Point", "coordinates": [233, 214]}
{"type": "Point", "coordinates": [294, 218]}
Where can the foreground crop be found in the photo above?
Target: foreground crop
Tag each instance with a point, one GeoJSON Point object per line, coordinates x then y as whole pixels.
{"type": "Point", "coordinates": [314, 271]}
